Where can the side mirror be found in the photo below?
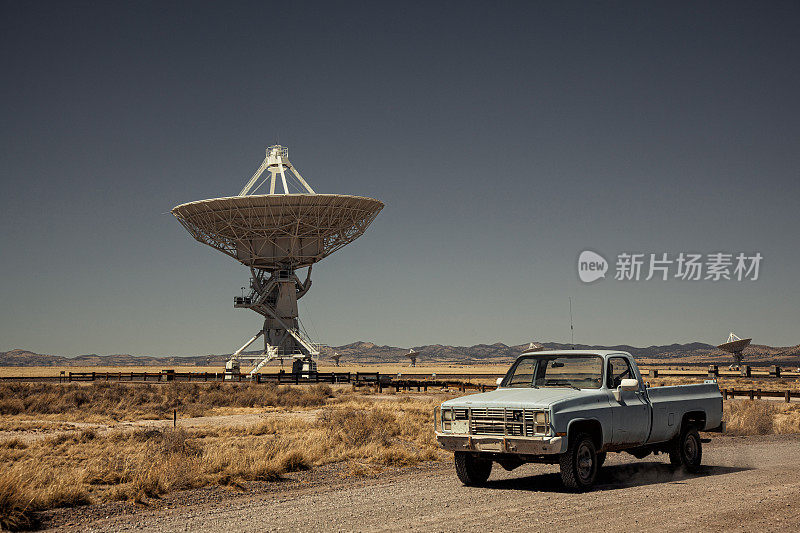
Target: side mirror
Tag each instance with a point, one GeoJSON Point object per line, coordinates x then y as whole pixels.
{"type": "Point", "coordinates": [499, 381]}
{"type": "Point", "coordinates": [625, 384]}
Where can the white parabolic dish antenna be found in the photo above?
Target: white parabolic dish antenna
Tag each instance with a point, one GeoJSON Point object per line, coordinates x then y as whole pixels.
{"type": "Point", "coordinates": [275, 234]}
{"type": "Point", "coordinates": [734, 346]}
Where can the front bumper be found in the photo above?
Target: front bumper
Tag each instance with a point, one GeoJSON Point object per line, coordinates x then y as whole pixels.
{"type": "Point", "coordinates": [514, 445]}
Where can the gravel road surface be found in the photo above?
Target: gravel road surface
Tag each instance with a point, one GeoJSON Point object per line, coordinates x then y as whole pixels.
{"type": "Point", "coordinates": [750, 483]}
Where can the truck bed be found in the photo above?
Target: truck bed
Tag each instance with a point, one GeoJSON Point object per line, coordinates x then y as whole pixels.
{"type": "Point", "coordinates": [671, 403]}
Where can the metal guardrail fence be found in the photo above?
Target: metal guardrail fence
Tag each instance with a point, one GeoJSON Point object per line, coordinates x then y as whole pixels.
{"type": "Point", "coordinates": [713, 371]}
{"type": "Point", "coordinates": [358, 379]}
{"type": "Point", "coordinates": [420, 382]}
{"type": "Point", "coordinates": [187, 377]}
{"type": "Point", "coordinates": [757, 394]}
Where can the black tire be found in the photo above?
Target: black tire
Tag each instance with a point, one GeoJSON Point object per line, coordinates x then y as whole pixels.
{"type": "Point", "coordinates": [601, 458]}
{"type": "Point", "coordinates": [687, 450]}
{"type": "Point", "coordinates": [471, 470]}
{"type": "Point", "coordinates": [579, 463]}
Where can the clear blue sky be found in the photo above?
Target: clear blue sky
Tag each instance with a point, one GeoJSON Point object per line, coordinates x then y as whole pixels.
{"type": "Point", "coordinates": [503, 137]}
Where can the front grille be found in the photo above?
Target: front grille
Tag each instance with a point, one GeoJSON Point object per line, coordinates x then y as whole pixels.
{"type": "Point", "coordinates": [503, 422]}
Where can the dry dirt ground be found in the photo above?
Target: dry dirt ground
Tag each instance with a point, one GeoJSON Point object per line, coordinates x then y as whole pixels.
{"type": "Point", "coordinates": [750, 483]}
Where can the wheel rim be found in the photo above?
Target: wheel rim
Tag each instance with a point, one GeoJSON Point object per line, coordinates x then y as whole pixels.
{"type": "Point", "coordinates": [690, 448]}
{"type": "Point", "coordinates": [585, 462]}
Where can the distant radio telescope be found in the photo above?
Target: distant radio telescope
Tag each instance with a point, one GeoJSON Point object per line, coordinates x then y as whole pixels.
{"type": "Point", "coordinates": [412, 355]}
{"type": "Point", "coordinates": [274, 235]}
{"type": "Point", "coordinates": [534, 347]}
{"type": "Point", "coordinates": [734, 346]}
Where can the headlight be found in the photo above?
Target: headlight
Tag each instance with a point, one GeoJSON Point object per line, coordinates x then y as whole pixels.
{"type": "Point", "coordinates": [447, 414]}
{"type": "Point", "coordinates": [541, 418]}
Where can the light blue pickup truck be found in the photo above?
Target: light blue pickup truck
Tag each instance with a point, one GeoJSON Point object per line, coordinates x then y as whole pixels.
{"type": "Point", "coordinates": [570, 408]}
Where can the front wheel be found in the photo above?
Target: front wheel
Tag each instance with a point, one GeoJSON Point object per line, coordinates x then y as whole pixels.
{"type": "Point", "coordinates": [579, 463]}
{"type": "Point", "coordinates": [687, 450]}
{"type": "Point", "coordinates": [472, 470]}
{"type": "Point", "coordinates": [601, 458]}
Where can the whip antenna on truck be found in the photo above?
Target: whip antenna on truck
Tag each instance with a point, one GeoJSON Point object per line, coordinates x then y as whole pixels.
{"type": "Point", "coordinates": [571, 326]}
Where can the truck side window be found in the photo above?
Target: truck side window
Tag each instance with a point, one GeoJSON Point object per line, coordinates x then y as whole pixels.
{"type": "Point", "coordinates": [618, 369]}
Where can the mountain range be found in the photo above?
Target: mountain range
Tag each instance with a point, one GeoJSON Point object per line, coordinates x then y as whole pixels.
{"type": "Point", "coordinates": [367, 352]}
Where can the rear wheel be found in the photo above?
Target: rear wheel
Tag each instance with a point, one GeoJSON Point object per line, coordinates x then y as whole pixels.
{"type": "Point", "coordinates": [472, 470]}
{"type": "Point", "coordinates": [687, 450]}
{"type": "Point", "coordinates": [579, 463]}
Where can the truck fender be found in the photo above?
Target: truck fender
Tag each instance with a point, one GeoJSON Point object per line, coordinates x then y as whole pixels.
{"type": "Point", "coordinates": [592, 426]}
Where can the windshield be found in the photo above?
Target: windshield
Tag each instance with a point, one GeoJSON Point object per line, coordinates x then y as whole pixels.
{"type": "Point", "coordinates": [576, 371]}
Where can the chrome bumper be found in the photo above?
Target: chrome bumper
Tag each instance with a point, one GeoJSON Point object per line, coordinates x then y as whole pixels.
{"type": "Point", "coordinates": [486, 443]}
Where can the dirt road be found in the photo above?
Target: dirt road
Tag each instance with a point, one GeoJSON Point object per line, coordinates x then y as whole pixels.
{"type": "Point", "coordinates": [751, 483]}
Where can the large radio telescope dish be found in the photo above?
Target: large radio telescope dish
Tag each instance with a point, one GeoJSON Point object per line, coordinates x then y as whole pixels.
{"type": "Point", "coordinates": [274, 234]}
{"type": "Point", "coordinates": [271, 231]}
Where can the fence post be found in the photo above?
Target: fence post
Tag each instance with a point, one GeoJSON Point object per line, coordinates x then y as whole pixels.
{"type": "Point", "coordinates": [758, 393]}
{"type": "Point", "coordinates": [751, 393]}
{"type": "Point", "coordinates": [788, 396]}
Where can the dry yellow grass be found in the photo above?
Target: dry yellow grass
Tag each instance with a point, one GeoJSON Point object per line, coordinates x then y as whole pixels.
{"type": "Point", "coordinates": [75, 468]}
{"type": "Point", "coordinates": [760, 417]}
{"type": "Point", "coordinates": [101, 401]}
